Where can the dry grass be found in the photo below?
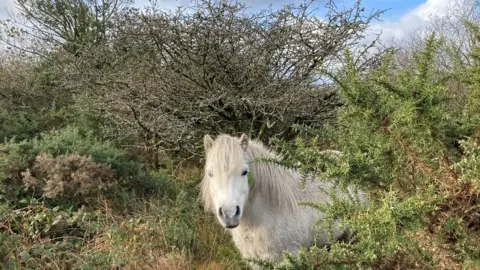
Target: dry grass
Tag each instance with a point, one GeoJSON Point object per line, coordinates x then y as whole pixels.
{"type": "Point", "coordinates": [441, 255]}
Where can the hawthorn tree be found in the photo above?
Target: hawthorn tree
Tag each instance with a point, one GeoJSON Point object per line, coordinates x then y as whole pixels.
{"type": "Point", "coordinates": [172, 77]}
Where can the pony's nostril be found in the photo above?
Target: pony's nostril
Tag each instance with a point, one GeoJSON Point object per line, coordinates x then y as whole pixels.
{"type": "Point", "coordinates": [237, 213]}
{"type": "Point", "coordinates": [220, 212]}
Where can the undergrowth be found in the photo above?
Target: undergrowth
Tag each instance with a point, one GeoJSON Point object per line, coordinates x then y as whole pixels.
{"type": "Point", "coordinates": [72, 201]}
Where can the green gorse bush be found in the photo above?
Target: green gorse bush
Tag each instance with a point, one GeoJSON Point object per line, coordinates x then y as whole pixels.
{"type": "Point", "coordinates": [401, 139]}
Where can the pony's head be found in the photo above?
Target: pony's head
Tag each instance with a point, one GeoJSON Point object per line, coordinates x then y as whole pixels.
{"type": "Point", "coordinates": [225, 186]}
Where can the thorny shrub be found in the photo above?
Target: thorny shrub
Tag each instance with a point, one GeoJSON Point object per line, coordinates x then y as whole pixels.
{"type": "Point", "coordinates": [401, 141]}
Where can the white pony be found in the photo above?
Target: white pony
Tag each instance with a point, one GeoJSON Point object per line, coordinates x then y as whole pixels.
{"type": "Point", "coordinates": [263, 216]}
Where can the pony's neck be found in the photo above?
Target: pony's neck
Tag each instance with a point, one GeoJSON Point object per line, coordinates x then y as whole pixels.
{"type": "Point", "coordinates": [275, 187]}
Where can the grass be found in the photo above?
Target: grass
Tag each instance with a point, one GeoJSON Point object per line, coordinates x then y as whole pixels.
{"type": "Point", "coordinates": [155, 232]}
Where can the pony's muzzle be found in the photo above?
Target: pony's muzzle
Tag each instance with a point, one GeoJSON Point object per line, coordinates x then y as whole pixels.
{"type": "Point", "coordinates": [230, 219]}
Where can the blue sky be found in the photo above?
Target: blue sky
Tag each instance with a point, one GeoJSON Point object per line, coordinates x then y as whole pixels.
{"type": "Point", "coordinates": [401, 17]}
{"type": "Point", "coordinates": [404, 15]}
{"type": "Point", "coordinates": [396, 7]}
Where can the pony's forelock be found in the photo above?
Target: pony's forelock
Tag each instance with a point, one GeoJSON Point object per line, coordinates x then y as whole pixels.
{"type": "Point", "coordinates": [226, 153]}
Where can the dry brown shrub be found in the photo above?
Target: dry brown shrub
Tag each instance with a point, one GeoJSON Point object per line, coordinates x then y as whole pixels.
{"type": "Point", "coordinates": [68, 175]}
{"type": "Point", "coordinates": [402, 260]}
{"type": "Point", "coordinates": [441, 255]}
{"type": "Point", "coordinates": [461, 201]}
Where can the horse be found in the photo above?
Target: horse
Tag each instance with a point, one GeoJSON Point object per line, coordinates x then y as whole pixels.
{"type": "Point", "coordinates": [258, 202]}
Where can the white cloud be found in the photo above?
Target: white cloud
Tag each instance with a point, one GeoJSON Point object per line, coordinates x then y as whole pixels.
{"type": "Point", "coordinates": [7, 6]}
{"type": "Point", "coordinates": [6, 9]}
{"type": "Point", "coordinates": [429, 8]}
{"type": "Point", "coordinates": [412, 20]}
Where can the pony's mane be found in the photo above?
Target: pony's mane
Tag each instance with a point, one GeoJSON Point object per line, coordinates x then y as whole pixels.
{"type": "Point", "coordinates": [278, 186]}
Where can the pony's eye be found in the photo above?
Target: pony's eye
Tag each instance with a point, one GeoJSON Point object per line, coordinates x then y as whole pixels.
{"type": "Point", "coordinates": [210, 174]}
{"type": "Point", "coordinates": [244, 173]}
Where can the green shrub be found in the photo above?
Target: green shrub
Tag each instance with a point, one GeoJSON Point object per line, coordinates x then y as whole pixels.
{"type": "Point", "coordinates": [17, 161]}
{"type": "Point", "coordinates": [401, 141]}
{"type": "Point", "coordinates": [18, 126]}
{"type": "Point", "coordinates": [25, 122]}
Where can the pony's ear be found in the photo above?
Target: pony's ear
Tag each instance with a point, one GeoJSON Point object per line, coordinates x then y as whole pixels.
{"type": "Point", "coordinates": [207, 142]}
{"type": "Point", "coordinates": [244, 141]}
